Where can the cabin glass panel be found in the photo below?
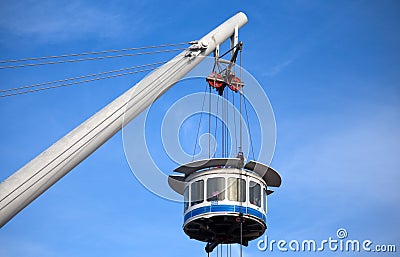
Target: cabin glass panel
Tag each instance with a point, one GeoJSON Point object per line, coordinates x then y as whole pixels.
{"type": "Point", "coordinates": [236, 189]}
{"type": "Point", "coordinates": [215, 189]}
{"type": "Point", "coordinates": [265, 200]}
{"type": "Point", "coordinates": [186, 198]}
{"type": "Point", "coordinates": [197, 192]}
{"type": "Point", "coordinates": [255, 193]}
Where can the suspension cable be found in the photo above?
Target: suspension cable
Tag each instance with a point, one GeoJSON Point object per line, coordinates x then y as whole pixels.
{"type": "Point", "coordinates": [241, 237]}
{"type": "Point", "coordinates": [76, 82]}
{"type": "Point", "coordinates": [198, 128]}
{"type": "Point", "coordinates": [209, 123]}
{"type": "Point", "coordinates": [92, 53]}
{"type": "Point", "coordinates": [227, 122]}
{"type": "Point", "coordinates": [234, 119]}
{"type": "Point", "coordinates": [222, 127]}
{"type": "Point", "coordinates": [88, 59]}
{"type": "Point", "coordinates": [240, 106]}
{"type": "Point", "coordinates": [79, 77]}
{"type": "Point", "coordinates": [248, 125]}
{"type": "Point", "coordinates": [228, 134]}
{"type": "Point", "coordinates": [216, 127]}
{"type": "Point", "coordinates": [240, 123]}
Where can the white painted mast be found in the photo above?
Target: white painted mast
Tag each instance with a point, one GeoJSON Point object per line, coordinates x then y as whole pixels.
{"type": "Point", "coordinates": [26, 184]}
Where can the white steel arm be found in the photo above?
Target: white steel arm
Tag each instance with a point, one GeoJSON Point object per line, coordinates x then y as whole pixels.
{"type": "Point", "coordinates": [25, 185]}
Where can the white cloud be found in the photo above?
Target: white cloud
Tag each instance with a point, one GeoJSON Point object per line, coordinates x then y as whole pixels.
{"type": "Point", "coordinates": [272, 71]}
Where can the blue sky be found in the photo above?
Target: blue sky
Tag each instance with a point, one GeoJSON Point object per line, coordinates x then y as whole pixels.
{"type": "Point", "coordinates": [329, 68]}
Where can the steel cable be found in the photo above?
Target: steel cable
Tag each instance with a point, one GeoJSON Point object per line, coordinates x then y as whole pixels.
{"type": "Point", "coordinates": [76, 82]}
{"type": "Point", "coordinates": [92, 53]}
{"type": "Point", "coordinates": [78, 77]}
{"type": "Point", "coordinates": [88, 59]}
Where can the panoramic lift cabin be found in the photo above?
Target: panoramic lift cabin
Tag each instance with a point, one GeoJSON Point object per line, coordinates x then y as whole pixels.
{"type": "Point", "coordinates": [225, 201]}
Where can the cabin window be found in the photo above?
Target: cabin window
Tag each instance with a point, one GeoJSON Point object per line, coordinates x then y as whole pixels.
{"type": "Point", "coordinates": [197, 192]}
{"type": "Point", "coordinates": [255, 193]}
{"type": "Point", "coordinates": [236, 189]}
{"type": "Point", "coordinates": [215, 189]}
{"type": "Point", "coordinates": [265, 200]}
{"type": "Point", "coordinates": [186, 198]}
